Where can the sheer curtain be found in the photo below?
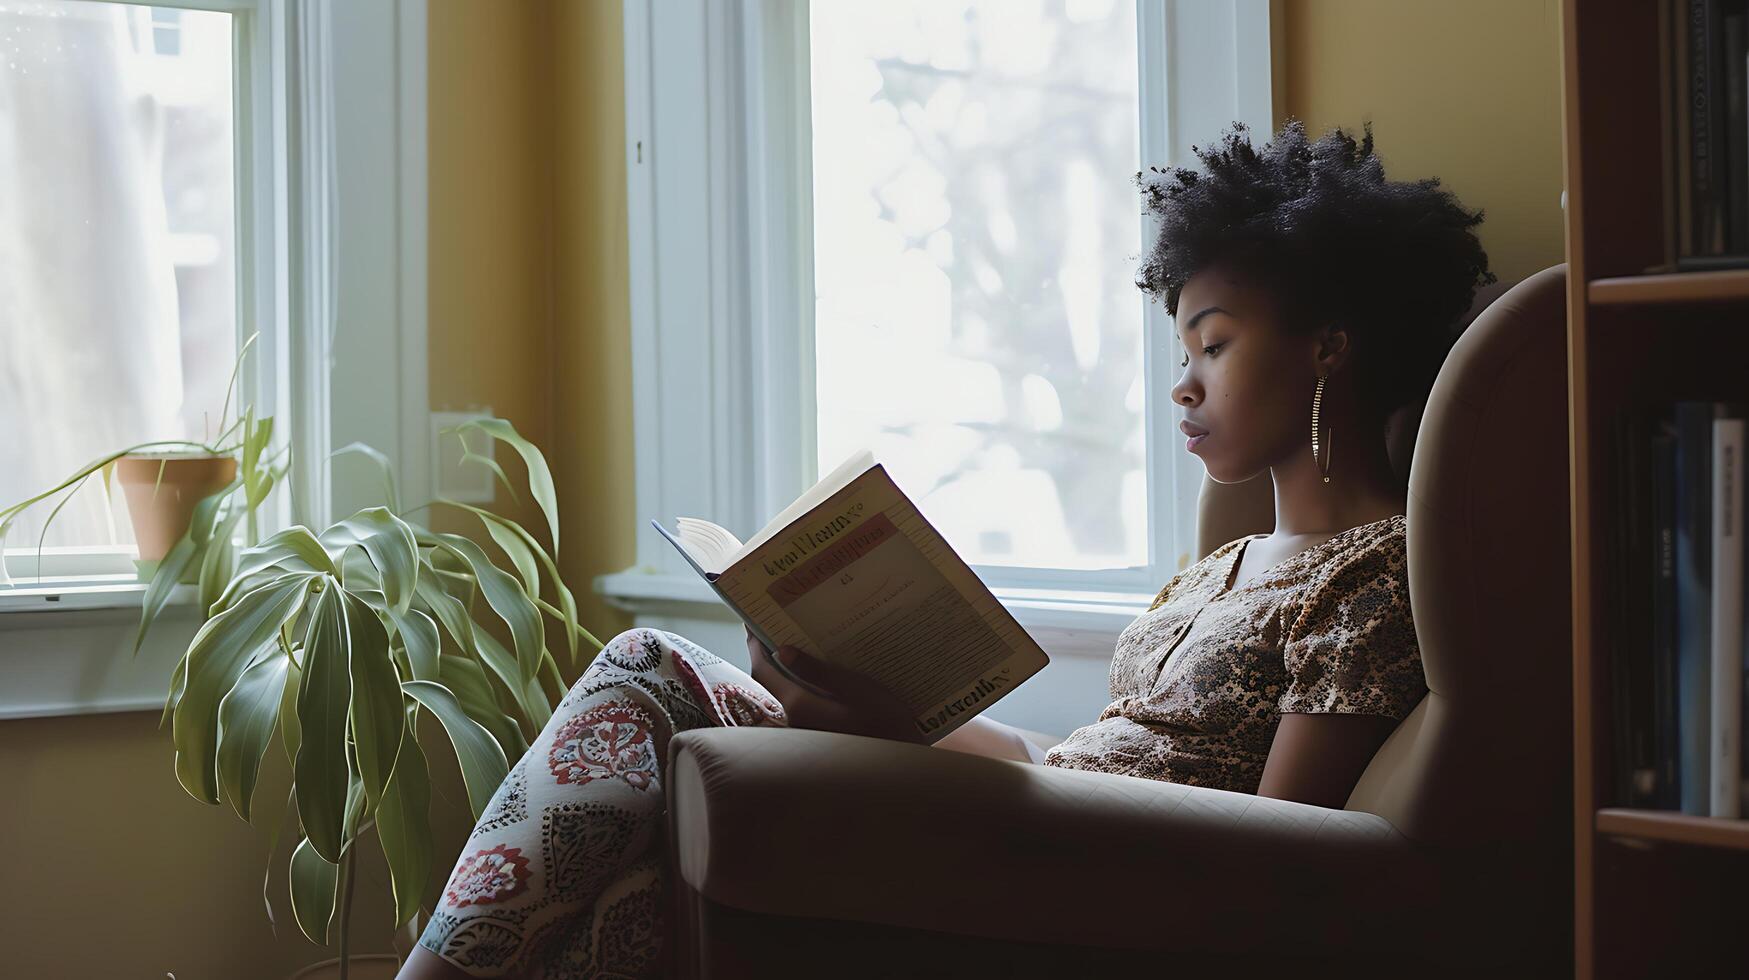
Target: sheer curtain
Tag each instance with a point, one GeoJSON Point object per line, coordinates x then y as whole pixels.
{"type": "Point", "coordinates": [90, 338]}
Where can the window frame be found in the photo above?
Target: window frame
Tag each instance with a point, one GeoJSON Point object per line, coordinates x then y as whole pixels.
{"type": "Point", "coordinates": [314, 166]}
{"type": "Point", "coordinates": [717, 140]}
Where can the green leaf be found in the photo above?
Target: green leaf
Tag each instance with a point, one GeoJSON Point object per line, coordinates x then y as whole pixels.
{"type": "Point", "coordinates": [376, 716]}
{"type": "Point", "coordinates": [313, 882]}
{"type": "Point", "coordinates": [467, 679]}
{"type": "Point", "coordinates": [236, 369]}
{"type": "Point", "coordinates": [567, 601]}
{"type": "Point", "coordinates": [419, 635]}
{"type": "Point", "coordinates": [264, 482]}
{"type": "Point", "coordinates": [219, 562]}
{"type": "Point", "coordinates": [520, 557]}
{"type": "Point", "coordinates": [321, 768]}
{"type": "Point", "coordinates": [448, 609]}
{"type": "Point", "coordinates": [382, 462]}
{"type": "Point", "coordinates": [355, 802]}
{"type": "Point", "coordinates": [505, 596]}
{"type": "Point", "coordinates": [525, 691]}
{"type": "Point", "coordinates": [359, 576]}
{"type": "Point", "coordinates": [404, 828]}
{"type": "Point", "coordinates": [294, 549]}
{"type": "Point", "coordinates": [220, 651]}
{"type": "Point", "coordinates": [291, 732]}
{"type": "Point", "coordinates": [540, 477]}
{"type": "Point", "coordinates": [175, 564]}
{"type": "Point", "coordinates": [469, 456]}
{"type": "Point", "coordinates": [246, 719]}
{"type": "Point", "coordinates": [178, 679]}
{"type": "Point", "coordinates": [482, 761]}
{"type": "Point", "coordinates": [257, 433]}
{"type": "Point", "coordinates": [388, 541]}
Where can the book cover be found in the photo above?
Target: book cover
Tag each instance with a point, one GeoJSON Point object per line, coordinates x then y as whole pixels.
{"type": "Point", "coordinates": [1667, 106]}
{"type": "Point", "coordinates": [1636, 777]}
{"type": "Point", "coordinates": [852, 573]}
{"type": "Point", "coordinates": [1685, 184]}
{"type": "Point", "coordinates": [1666, 711]}
{"type": "Point", "coordinates": [1736, 159]}
{"type": "Point", "coordinates": [1706, 56]}
{"type": "Point", "coordinates": [1726, 630]}
{"type": "Point", "coordinates": [1694, 450]}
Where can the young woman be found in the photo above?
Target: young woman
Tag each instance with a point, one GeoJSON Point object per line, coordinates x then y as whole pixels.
{"type": "Point", "coordinates": [1313, 297]}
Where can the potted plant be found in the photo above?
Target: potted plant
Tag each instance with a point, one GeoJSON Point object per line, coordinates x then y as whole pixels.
{"type": "Point", "coordinates": [185, 500]}
{"type": "Point", "coordinates": [343, 640]}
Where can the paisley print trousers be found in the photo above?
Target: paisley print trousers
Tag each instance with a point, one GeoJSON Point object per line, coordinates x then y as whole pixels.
{"type": "Point", "coordinates": [565, 873]}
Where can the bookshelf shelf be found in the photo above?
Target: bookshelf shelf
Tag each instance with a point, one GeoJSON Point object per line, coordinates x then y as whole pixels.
{"type": "Point", "coordinates": [1680, 287]}
{"type": "Point", "coordinates": [1676, 828]}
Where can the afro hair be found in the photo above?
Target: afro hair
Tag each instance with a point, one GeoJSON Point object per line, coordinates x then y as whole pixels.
{"type": "Point", "coordinates": [1396, 263]}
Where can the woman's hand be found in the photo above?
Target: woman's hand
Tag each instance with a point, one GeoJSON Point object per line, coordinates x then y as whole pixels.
{"type": "Point", "coordinates": [854, 703]}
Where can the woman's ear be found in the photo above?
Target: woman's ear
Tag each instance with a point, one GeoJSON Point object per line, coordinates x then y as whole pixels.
{"type": "Point", "coordinates": [1333, 347]}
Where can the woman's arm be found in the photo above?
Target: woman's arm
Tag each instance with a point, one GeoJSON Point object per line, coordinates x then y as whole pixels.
{"type": "Point", "coordinates": [1317, 758]}
{"type": "Point", "coordinates": [987, 736]}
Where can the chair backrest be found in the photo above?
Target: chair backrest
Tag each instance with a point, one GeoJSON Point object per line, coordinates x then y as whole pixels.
{"type": "Point", "coordinates": [1486, 759]}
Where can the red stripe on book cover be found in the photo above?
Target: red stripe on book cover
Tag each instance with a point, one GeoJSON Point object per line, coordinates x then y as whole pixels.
{"type": "Point", "coordinates": [857, 542]}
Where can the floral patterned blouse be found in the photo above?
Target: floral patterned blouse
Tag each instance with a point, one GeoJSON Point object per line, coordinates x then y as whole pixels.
{"type": "Point", "coordinates": [1200, 681]}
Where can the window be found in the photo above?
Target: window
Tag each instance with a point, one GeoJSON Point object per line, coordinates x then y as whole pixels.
{"type": "Point", "coordinates": [975, 232]}
{"type": "Point", "coordinates": [913, 226]}
{"type": "Point", "coordinates": [118, 258]}
{"type": "Point", "coordinates": [181, 174]}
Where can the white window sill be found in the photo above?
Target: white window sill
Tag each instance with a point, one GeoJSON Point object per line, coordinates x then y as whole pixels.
{"type": "Point", "coordinates": [120, 591]}
{"type": "Point", "coordinates": [1064, 622]}
{"type": "Point", "coordinates": [68, 645]}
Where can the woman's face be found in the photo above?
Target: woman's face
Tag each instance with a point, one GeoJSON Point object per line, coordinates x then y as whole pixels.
{"type": "Point", "coordinates": [1247, 383]}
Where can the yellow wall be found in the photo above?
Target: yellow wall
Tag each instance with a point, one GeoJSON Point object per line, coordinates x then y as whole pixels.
{"type": "Point", "coordinates": [530, 304]}
{"type": "Point", "coordinates": [592, 352]}
{"type": "Point", "coordinates": [1468, 92]}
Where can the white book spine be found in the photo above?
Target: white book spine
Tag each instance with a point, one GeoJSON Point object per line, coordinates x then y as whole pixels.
{"type": "Point", "coordinates": [1727, 614]}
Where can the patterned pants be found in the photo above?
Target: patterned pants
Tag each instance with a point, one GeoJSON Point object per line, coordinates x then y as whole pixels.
{"type": "Point", "coordinates": [564, 875]}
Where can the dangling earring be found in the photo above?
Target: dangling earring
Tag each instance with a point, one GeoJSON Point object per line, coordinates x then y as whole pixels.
{"type": "Point", "coordinates": [1323, 467]}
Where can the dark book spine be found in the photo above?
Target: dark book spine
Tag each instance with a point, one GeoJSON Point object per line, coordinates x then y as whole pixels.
{"type": "Point", "coordinates": [1636, 762]}
{"type": "Point", "coordinates": [1682, 104]}
{"type": "Point", "coordinates": [1694, 499]}
{"type": "Point", "coordinates": [1621, 647]}
{"type": "Point", "coordinates": [1706, 83]}
{"type": "Point", "coordinates": [1665, 708]}
{"type": "Point", "coordinates": [1667, 89]}
{"type": "Point", "coordinates": [1736, 160]}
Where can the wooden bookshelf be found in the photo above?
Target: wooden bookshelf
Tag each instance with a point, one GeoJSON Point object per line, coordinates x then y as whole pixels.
{"type": "Point", "coordinates": [1655, 893]}
{"type": "Point", "coordinates": [1678, 828]}
{"type": "Point", "coordinates": [1681, 287]}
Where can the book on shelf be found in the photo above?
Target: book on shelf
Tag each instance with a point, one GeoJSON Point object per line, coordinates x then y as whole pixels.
{"type": "Point", "coordinates": [1704, 93]}
{"type": "Point", "coordinates": [854, 575]}
{"type": "Point", "coordinates": [1679, 684]}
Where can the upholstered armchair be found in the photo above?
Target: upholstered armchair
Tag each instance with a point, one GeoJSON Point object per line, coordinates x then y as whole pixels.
{"type": "Point", "coordinates": [811, 854]}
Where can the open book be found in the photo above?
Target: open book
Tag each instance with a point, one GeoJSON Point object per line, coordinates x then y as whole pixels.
{"type": "Point", "coordinates": [852, 574]}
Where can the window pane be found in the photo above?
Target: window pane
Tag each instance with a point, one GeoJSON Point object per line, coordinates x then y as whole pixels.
{"type": "Point", "coordinates": [976, 228]}
{"type": "Point", "coordinates": [117, 269]}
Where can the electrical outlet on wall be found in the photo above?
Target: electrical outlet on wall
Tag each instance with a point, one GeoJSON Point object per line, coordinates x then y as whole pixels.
{"type": "Point", "coordinates": [470, 482]}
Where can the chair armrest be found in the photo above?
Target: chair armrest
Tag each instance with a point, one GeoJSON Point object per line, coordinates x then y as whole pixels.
{"type": "Point", "coordinates": [816, 824]}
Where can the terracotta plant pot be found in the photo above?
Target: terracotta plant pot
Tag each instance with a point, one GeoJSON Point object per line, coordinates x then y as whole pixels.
{"type": "Point", "coordinates": [160, 519]}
